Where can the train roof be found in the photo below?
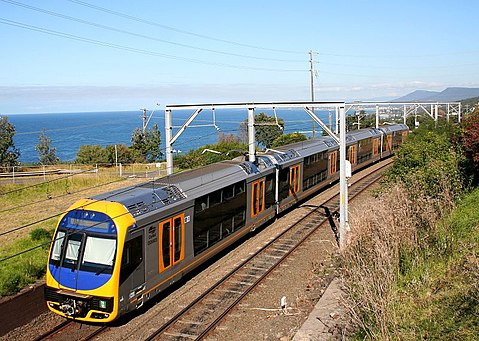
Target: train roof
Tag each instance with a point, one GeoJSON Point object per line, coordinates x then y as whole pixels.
{"type": "Point", "coordinates": [156, 194]}
{"type": "Point", "coordinates": [393, 127]}
{"type": "Point", "coordinates": [313, 146]}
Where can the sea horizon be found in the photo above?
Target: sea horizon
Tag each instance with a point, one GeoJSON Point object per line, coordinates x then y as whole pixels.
{"type": "Point", "coordinates": [98, 128]}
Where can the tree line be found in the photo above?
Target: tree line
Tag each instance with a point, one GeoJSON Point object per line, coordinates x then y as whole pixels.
{"type": "Point", "coordinates": [145, 146]}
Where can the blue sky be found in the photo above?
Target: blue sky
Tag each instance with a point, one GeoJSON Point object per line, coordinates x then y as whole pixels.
{"type": "Point", "coordinates": [85, 55]}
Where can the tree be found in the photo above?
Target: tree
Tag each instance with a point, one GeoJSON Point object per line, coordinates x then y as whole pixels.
{"type": "Point", "coordinates": [470, 140]}
{"type": "Point", "coordinates": [46, 153]}
{"type": "Point", "coordinates": [123, 152]}
{"type": "Point", "coordinates": [228, 147]}
{"type": "Point", "coordinates": [8, 153]}
{"type": "Point", "coordinates": [91, 154]}
{"type": "Point", "coordinates": [265, 134]}
{"type": "Point", "coordinates": [146, 146]}
{"type": "Point", "coordinates": [288, 138]}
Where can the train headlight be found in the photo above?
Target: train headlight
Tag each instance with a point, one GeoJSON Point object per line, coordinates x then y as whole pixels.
{"type": "Point", "coordinates": [102, 304]}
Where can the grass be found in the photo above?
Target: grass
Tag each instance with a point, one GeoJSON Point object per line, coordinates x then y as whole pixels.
{"type": "Point", "coordinates": [30, 207]}
{"type": "Point", "coordinates": [444, 302]}
{"type": "Point", "coordinates": [18, 272]}
{"type": "Point", "coordinates": [411, 283]}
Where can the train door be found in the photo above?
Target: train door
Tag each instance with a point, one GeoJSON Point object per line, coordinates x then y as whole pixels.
{"type": "Point", "coordinates": [172, 241]}
{"type": "Point", "coordinates": [333, 159]}
{"type": "Point", "coordinates": [389, 142]}
{"type": "Point", "coordinates": [352, 157]}
{"type": "Point", "coordinates": [375, 147]}
{"type": "Point", "coordinates": [132, 273]}
{"type": "Point", "coordinates": [257, 197]}
{"type": "Point", "coordinates": [294, 180]}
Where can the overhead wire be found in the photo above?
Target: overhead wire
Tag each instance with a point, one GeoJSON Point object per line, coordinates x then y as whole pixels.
{"type": "Point", "coordinates": [138, 35]}
{"type": "Point", "coordinates": [153, 23]}
{"type": "Point", "coordinates": [136, 50]}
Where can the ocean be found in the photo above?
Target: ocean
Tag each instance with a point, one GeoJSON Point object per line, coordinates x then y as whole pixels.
{"type": "Point", "coordinates": [69, 131]}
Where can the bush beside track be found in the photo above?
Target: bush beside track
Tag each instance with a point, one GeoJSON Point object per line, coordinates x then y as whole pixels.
{"type": "Point", "coordinates": [411, 269]}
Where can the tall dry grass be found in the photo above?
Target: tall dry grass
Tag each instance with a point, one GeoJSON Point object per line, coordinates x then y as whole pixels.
{"type": "Point", "coordinates": [389, 234]}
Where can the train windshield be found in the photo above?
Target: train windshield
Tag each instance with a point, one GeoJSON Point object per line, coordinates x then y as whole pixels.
{"type": "Point", "coordinates": [85, 242]}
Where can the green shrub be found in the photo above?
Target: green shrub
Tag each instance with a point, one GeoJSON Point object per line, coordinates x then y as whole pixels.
{"type": "Point", "coordinates": [40, 234]}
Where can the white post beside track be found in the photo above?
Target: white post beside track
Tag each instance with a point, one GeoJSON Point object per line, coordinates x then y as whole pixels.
{"type": "Point", "coordinates": [343, 186]}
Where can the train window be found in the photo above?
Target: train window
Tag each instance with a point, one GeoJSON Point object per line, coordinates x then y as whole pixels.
{"type": "Point", "coordinates": [132, 257]}
{"type": "Point", "coordinates": [215, 198]}
{"type": "Point", "coordinates": [283, 183]}
{"type": "Point", "coordinates": [165, 237]}
{"type": "Point", "coordinates": [178, 239]}
{"type": "Point", "coordinates": [239, 187]}
{"type": "Point", "coordinates": [228, 192]}
{"type": "Point", "coordinates": [239, 220]}
{"type": "Point", "coordinates": [214, 223]}
{"type": "Point", "coordinates": [226, 227]}
{"type": "Point", "coordinates": [57, 246]}
{"type": "Point", "coordinates": [201, 242]}
{"type": "Point", "coordinates": [269, 198]}
{"type": "Point", "coordinates": [201, 203]}
{"type": "Point", "coordinates": [214, 234]}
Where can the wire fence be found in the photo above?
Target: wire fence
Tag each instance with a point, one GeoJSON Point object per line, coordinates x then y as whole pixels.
{"type": "Point", "coordinates": [43, 173]}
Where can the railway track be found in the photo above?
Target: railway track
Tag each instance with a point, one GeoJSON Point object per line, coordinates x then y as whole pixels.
{"type": "Point", "coordinates": [71, 330]}
{"type": "Point", "coordinates": [201, 316]}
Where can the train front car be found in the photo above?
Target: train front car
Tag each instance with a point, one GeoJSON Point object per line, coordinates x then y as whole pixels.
{"type": "Point", "coordinates": [84, 263]}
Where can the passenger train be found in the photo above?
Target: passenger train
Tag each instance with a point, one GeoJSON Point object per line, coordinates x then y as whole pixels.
{"type": "Point", "coordinates": [113, 252]}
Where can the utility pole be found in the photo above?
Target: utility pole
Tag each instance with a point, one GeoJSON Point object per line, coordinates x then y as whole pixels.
{"type": "Point", "coordinates": [312, 85]}
{"type": "Point", "coordinates": [145, 119]}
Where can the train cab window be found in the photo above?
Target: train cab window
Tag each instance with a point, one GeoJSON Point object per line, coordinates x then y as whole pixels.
{"type": "Point", "coordinates": [375, 146]}
{"type": "Point", "coordinates": [294, 180]}
{"type": "Point", "coordinates": [257, 197]}
{"type": "Point", "coordinates": [333, 158]}
{"type": "Point", "coordinates": [172, 241]}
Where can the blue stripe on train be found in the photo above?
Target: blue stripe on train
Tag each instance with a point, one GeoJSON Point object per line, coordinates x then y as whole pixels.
{"type": "Point", "coordinates": [78, 280]}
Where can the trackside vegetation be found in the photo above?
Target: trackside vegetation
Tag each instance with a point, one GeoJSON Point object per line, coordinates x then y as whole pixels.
{"type": "Point", "coordinates": [30, 213]}
{"type": "Point", "coordinates": [411, 269]}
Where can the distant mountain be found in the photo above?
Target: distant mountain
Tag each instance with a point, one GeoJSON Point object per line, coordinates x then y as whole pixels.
{"type": "Point", "coordinates": [447, 95]}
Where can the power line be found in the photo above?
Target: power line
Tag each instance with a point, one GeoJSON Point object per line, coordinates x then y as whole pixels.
{"type": "Point", "coordinates": [135, 50]}
{"type": "Point", "coordinates": [113, 29]}
{"type": "Point", "coordinates": [152, 23]}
